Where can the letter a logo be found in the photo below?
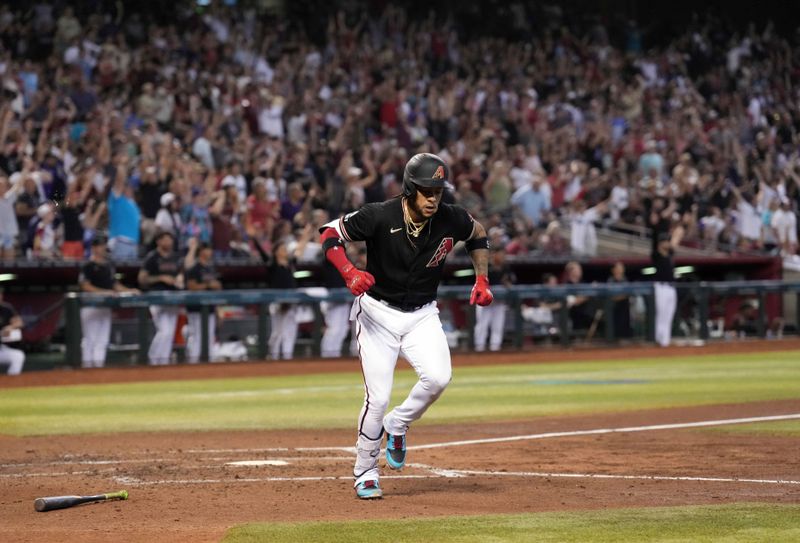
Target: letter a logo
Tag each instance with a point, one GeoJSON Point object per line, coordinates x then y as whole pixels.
{"type": "Point", "coordinates": [441, 252]}
{"type": "Point", "coordinates": [439, 173]}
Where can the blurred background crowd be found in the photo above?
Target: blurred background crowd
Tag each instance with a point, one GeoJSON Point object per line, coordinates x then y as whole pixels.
{"type": "Point", "coordinates": [247, 130]}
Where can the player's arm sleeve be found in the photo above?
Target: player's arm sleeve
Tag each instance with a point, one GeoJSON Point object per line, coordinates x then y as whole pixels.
{"type": "Point", "coordinates": [356, 226]}
{"type": "Point", "coordinates": [147, 271]}
{"type": "Point", "coordinates": [464, 223]}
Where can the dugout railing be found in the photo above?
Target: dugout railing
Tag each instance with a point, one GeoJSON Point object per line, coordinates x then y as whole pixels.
{"type": "Point", "coordinates": [698, 294]}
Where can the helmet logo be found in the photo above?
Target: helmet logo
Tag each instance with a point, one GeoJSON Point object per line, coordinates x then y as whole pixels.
{"type": "Point", "coordinates": [439, 173]}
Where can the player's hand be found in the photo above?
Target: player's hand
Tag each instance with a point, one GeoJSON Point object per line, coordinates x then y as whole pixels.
{"type": "Point", "coordinates": [357, 281]}
{"type": "Point", "coordinates": [481, 294]}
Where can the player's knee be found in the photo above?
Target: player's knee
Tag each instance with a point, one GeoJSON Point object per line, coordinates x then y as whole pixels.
{"type": "Point", "coordinates": [438, 381]}
{"type": "Point", "coordinates": [379, 402]}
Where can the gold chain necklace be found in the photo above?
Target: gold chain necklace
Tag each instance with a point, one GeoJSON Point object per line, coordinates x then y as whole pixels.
{"type": "Point", "coordinates": [412, 228]}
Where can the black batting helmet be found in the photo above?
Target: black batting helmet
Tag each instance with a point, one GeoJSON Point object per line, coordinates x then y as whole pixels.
{"type": "Point", "coordinates": [424, 170]}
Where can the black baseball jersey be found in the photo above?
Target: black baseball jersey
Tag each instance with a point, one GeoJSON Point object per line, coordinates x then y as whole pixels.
{"type": "Point", "coordinates": [202, 274]}
{"type": "Point", "coordinates": [406, 275]}
{"type": "Point", "coordinates": [282, 276]}
{"type": "Point", "coordinates": [100, 275]}
{"type": "Point", "coordinates": [155, 264]}
{"type": "Point", "coordinates": [665, 267]}
{"type": "Point", "coordinates": [7, 312]}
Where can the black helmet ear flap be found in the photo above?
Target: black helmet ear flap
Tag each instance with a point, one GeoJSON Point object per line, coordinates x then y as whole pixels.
{"type": "Point", "coordinates": [409, 188]}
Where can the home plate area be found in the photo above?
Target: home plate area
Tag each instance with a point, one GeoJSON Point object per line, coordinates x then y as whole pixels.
{"type": "Point", "coordinates": [247, 467]}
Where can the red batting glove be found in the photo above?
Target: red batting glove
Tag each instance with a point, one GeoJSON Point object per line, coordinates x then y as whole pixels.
{"type": "Point", "coordinates": [481, 294]}
{"type": "Point", "coordinates": [357, 281]}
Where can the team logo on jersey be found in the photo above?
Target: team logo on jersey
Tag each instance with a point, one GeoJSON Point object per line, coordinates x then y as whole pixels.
{"type": "Point", "coordinates": [439, 173]}
{"type": "Point", "coordinates": [441, 253]}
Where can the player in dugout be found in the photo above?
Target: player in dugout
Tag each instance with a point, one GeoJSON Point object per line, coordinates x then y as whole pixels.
{"type": "Point", "coordinates": [98, 276]}
{"type": "Point", "coordinates": [407, 239]}
{"type": "Point", "coordinates": [202, 275]}
{"type": "Point", "coordinates": [10, 332]}
{"type": "Point", "coordinates": [162, 270]}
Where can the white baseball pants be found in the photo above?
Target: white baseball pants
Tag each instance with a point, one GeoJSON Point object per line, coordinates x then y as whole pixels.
{"type": "Point", "coordinates": [382, 334]}
{"type": "Point", "coordinates": [666, 299]}
{"type": "Point", "coordinates": [337, 324]}
{"type": "Point", "coordinates": [165, 319]}
{"type": "Point", "coordinates": [96, 327]}
{"type": "Point", "coordinates": [283, 331]}
{"type": "Point", "coordinates": [13, 357]}
{"type": "Point", "coordinates": [194, 344]}
{"type": "Point", "coordinates": [489, 322]}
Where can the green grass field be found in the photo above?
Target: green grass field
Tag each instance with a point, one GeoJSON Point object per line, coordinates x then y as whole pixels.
{"type": "Point", "coordinates": [700, 524]}
{"type": "Point", "coordinates": [477, 394]}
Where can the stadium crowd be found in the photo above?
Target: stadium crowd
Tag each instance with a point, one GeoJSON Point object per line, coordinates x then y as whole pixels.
{"type": "Point", "coordinates": [246, 132]}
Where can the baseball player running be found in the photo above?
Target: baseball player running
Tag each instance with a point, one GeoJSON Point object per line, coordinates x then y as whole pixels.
{"type": "Point", "coordinates": [395, 313]}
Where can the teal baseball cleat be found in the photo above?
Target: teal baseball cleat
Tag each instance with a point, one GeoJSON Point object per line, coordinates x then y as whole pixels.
{"type": "Point", "coordinates": [396, 451]}
{"type": "Point", "coordinates": [369, 490]}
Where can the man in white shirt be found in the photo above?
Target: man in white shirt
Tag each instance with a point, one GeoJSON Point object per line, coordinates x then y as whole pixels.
{"type": "Point", "coordinates": [9, 229]}
{"type": "Point", "coordinates": [168, 218]}
{"type": "Point", "coordinates": [270, 118]}
{"type": "Point", "coordinates": [619, 200]}
{"type": "Point", "coordinates": [236, 179]}
{"type": "Point", "coordinates": [712, 225]}
{"type": "Point", "coordinates": [749, 220]}
{"type": "Point", "coordinates": [201, 148]}
{"type": "Point", "coordinates": [583, 235]}
{"type": "Point", "coordinates": [784, 221]}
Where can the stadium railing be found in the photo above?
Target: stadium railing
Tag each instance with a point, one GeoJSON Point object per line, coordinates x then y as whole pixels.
{"type": "Point", "coordinates": [602, 294]}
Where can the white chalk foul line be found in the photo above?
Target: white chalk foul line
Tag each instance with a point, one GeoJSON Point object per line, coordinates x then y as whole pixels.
{"type": "Point", "coordinates": [650, 428]}
{"type": "Point", "coordinates": [86, 462]}
{"type": "Point", "coordinates": [54, 474]}
{"type": "Point", "coordinates": [572, 433]}
{"type": "Point", "coordinates": [351, 450]}
{"type": "Point", "coordinates": [456, 473]}
{"type": "Point", "coordinates": [621, 476]}
{"type": "Point", "coordinates": [141, 482]}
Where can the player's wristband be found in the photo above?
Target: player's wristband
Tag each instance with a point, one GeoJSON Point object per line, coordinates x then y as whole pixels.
{"type": "Point", "coordinates": [477, 243]}
{"type": "Point", "coordinates": [330, 243]}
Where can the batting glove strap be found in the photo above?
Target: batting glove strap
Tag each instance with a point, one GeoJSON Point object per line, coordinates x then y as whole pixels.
{"type": "Point", "coordinates": [481, 294]}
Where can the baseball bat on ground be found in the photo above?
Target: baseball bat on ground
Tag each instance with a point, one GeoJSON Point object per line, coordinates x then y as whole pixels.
{"type": "Point", "coordinates": [62, 502]}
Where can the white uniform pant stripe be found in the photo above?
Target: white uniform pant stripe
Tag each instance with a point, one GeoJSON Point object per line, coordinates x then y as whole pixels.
{"type": "Point", "coordinates": [666, 299]}
{"type": "Point", "coordinates": [164, 318]}
{"type": "Point", "coordinates": [194, 343]}
{"type": "Point", "coordinates": [96, 328]}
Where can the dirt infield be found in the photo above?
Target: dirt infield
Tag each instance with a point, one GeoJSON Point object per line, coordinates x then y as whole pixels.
{"type": "Point", "coordinates": [184, 487]}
